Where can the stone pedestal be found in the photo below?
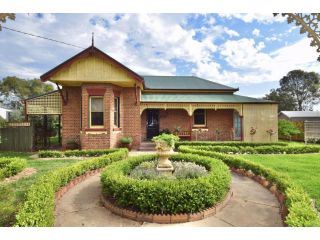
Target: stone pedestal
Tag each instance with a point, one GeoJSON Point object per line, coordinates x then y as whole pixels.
{"type": "Point", "coordinates": [164, 164]}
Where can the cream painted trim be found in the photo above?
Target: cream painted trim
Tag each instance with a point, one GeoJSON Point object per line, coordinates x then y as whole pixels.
{"type": "Point", "coordinates": [190, 107]}
{"type": "Point", "coordinates": [95, 126]}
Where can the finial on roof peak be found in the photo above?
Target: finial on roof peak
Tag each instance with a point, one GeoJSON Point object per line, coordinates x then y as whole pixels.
{"type": "Point", "coordinates": [92, 44]}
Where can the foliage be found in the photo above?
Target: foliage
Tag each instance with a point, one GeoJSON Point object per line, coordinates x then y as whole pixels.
{"type": "Point", "coordinates": [285, 100]}
{"type": "Point", "coordinates": [287, 128]}
{"type": "Point", "coordinates": [164, 196]}
{"type": "Point", "coordinates": [302, 87]}
{"type": "Point", "coordinates": [16, 89]}
{"type": "Point", "coordinates": [301, 212]}
{"type": "Point", "coordinates": [74, 153]}
{"type": "Point", "coordinates": [182, 170]}
{"type": "Point", "coordinates": [5, 16]}
{"type": "Point", "coordinates": [168, 139]}
{"type": "Point", "coordinates": [11, 166]}
{"type": "Point", "coordinates": [38, 209]}
{"type": "Point", "coordinates": [268, 149]}
{"type": "Point", "coordinates": [126, 140]}
{"type": "Point", "coordinates": [230, 144]}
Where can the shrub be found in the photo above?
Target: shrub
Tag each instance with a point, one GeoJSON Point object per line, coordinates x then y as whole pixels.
{"type": "Point", "coordinates": [182, 169]}
{"type": "Point", "coordinates": [166, 196]}
{"type": "Point", "coordinates": [74, 153]}
{"type": "Point", "coordinates": [11, 166]}
{"type": "Point", "coordinates": [50, 154]}
{"type": "Point", "coordinates": [268, 149]}
{"type": "Point", "coordinates": [287, 128]}
{"type": "Point", "coordinates": [126, 140]}
{"type": "Point", "coordinates": [228, 143]}
{"type": "Point", "coordinates": [301, 212]}
{"type": "Point", "coordinates": [38, 209]}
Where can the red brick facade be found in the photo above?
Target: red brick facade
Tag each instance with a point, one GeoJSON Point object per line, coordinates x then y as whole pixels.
{"type": "Point", "coordinates": [75, 120]}
{"type": "Point", "coordinates": [221, 119]}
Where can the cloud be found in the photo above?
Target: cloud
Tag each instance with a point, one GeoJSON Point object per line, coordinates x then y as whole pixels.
{"type": "Point", "coordinates": [250, 17]}
{"type": "Point", "coordinates": [256, 32]}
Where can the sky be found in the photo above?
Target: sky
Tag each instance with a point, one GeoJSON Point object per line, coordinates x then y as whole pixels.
{"type": "Point", "coordinates": [249, 51]}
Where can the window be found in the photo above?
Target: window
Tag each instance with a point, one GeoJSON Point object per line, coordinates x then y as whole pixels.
{"type": "Point", "coordinates": [117, 111]}
{"type": "Point", "coordinates": [96, 112]}
{"type": "Point", "coordinates": [199, 117]}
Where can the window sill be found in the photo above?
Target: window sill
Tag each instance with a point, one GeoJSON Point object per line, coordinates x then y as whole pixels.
{"type": "Point", "coordinates": [117, 129]}
{"type": "Point", "coordinates": [96, 129]}
{"type": "Point", "coordinates": [199, 126]}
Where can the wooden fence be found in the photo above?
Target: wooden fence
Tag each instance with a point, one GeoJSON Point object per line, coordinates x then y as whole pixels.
{"type": "Point", "coordinates": [16, 137]}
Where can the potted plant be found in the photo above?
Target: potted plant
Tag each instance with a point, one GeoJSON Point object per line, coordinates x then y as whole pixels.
{"type": "Point", "coordinates": [126, 142]}
{"type": "Point", "coordinates": [164, 146]}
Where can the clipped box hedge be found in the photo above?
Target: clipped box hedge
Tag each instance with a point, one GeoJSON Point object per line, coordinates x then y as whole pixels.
{"type": "Point", "coordinates": [269, 149]}
{"type": "Point", "coordinates": [11, 166]}
{"type": "Point", "coordinates": [300, 208]}
{"type": "Point", "coordinates": [38, 209]}
{"type": "Point", "coordinates": [228, 143]}
{"type": "Point", "coordinates": [74, 153]}
{"type": "Point", "coordinates": [164, 196]}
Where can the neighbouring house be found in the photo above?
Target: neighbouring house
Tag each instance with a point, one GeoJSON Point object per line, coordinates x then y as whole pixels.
{"type": "Point", "coordinates": [299, 119]}
{"type": "Point", "coordinates": [100, 100]}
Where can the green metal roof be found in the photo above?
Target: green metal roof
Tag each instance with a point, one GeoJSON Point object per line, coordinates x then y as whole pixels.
{"type": "Point", "coordinates": [200, 97]}
{"type": "Point", "coordinates": [182, 83]}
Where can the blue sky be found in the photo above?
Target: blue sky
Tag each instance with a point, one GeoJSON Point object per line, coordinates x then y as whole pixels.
{"type": "Point", "coordinates": [249, 51]}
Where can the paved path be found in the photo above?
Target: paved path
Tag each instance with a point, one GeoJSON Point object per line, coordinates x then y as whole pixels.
{"type": "Point", "coordinates": [251, 205]}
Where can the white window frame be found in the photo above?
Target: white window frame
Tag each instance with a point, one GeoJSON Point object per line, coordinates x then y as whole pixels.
{"type": "Point", "coordinates": [118, 111]}
{"type": "Point", "coordinates": [205, 118]}
{"type": "Point", "coordinates": [95, 126]}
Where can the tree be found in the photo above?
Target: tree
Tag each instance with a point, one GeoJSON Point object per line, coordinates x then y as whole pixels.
{"type": "Point", "coordinates": [14, 89]}
{"type": "Point", "coordinates": [5, 16]}
{"type": "Point", "coordinates": [284, 100]}
{"type": "Point", "coordinates": [299, 90]}
{"type": "Point", "coordinates": [287, 129]}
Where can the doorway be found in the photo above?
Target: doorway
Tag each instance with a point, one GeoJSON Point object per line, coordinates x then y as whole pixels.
{"type": "Point", "coordinates": [153, 118]}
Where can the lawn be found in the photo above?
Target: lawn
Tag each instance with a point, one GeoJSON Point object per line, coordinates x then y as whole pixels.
{"type": "Point", "coordinates": [18, 188]}
{"type": "Point", "coordinates": [304, 169]}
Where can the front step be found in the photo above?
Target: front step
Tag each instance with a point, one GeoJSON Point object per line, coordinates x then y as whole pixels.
{"type": "Point", "coordinates": [147, 146]}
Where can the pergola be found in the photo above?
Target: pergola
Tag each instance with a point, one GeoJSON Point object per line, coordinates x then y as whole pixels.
{"type": "Point", "coordinates": [44, 105]}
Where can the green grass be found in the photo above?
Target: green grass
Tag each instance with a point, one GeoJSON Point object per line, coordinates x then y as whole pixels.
{"type": "Point", "coordinates": [304, 169]}
{"type": "Point", "coordinates": [21, 186]}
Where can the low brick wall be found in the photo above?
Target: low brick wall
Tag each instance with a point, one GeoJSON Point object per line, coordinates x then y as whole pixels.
{"type": "Point", "coordinates": [166, 218]}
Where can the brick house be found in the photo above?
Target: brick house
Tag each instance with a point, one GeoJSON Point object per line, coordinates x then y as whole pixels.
{"type": "Point", "coordinates": [103, 100]}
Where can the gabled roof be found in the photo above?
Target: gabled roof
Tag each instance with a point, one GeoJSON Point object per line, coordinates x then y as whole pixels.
{"type": "Point", "coordinates": [301, 114]}
{"type": "Point", "coordinates": [183, 83]}
{"type": "Point", "coordinates": [89, 51]}
{"type": "Point", "coordinates": [199, 98]}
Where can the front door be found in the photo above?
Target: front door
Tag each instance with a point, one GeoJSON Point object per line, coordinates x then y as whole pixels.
{"type": "Point", "coordinates": [152, 123]}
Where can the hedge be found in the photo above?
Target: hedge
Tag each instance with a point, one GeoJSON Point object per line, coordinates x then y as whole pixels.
{"type": "Point", "coordinates": [300, 208]}
{"type": "Point", "coordinates": [228, 143]}
{"type": "Point", "coordinates": [271, 149]}
{"type": "Point", "coordinates": [74, 153]}
{"type": "Point", "coordinates": [11, 166]}
{"type": "Point", "coordinates": [164, 196]}
{"type": "Point", "coordinates": [38, 209]}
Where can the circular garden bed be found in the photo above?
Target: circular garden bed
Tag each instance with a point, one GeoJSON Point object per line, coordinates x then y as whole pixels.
{"type": "Point", "coordinates": [190, 194]}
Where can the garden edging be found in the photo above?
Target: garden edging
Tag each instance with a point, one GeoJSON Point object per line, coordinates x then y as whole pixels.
{"type": "Point", "coordinates": [59, 194]}
{"type": "Point", "coordinates": [166, 218]}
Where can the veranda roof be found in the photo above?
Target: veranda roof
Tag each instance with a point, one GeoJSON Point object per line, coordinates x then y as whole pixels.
{"type": "Point", "coordinates": [201, 98]}
{"type": "Point", "coordinates": [183, 83]}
